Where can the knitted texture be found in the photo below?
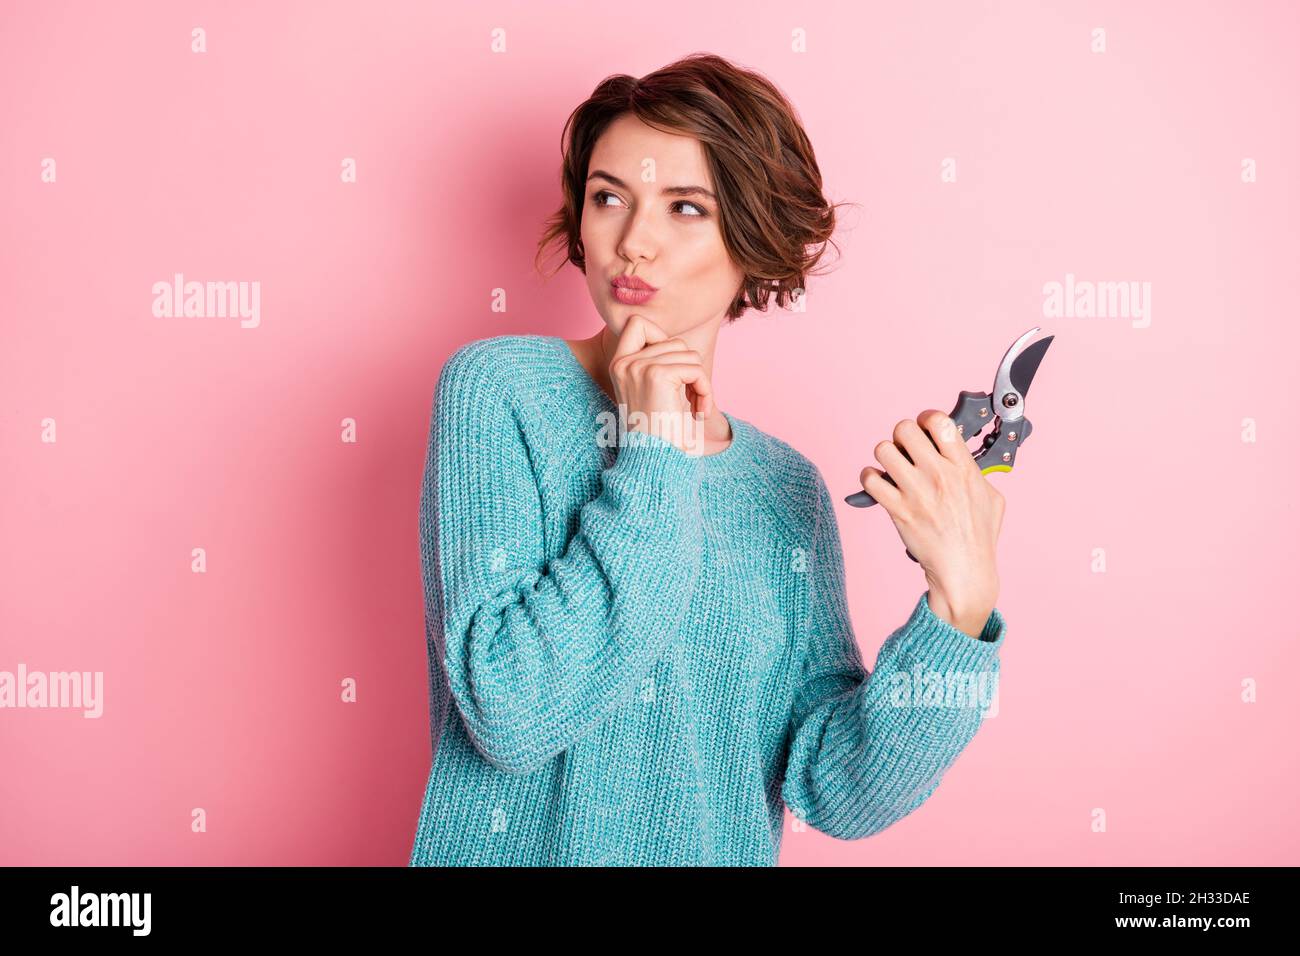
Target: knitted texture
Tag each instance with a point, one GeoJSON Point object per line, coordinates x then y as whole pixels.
{"type": "Point", "coordinates": [639, 656]}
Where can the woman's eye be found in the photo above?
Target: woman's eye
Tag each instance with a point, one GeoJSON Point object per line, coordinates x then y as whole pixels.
{"type": "Point", "coordinates": [600, 195]}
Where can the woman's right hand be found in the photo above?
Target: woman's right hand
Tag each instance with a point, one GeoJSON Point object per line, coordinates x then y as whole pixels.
{"type": "Point", "coordinates": [664, 381]}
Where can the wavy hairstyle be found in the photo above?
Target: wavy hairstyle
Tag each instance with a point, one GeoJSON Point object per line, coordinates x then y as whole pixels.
{"type": "Point", "coordinates": [774, 219]}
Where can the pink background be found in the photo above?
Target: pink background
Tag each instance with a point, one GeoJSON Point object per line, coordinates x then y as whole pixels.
{"type": "Point", "coordinates": [1121, 690]}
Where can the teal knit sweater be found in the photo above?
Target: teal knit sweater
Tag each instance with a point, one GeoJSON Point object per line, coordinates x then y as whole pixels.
{"type": "Point", "coordinates": [641, 657]}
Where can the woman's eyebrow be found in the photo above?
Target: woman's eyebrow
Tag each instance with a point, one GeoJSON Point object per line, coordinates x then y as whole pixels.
{"type": "Point", "coordinates": [666, 191]}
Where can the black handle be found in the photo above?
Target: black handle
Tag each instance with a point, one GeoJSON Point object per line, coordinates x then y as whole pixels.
{"type": "Point", "coordinates": [971, 413]}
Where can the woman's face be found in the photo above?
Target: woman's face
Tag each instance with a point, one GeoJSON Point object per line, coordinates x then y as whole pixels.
{"type": "Point", "coordinates": [671, 240]}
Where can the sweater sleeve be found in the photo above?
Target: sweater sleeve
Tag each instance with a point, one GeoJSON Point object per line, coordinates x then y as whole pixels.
{"type": "Point", "coordinates": [865, 749]}
{"type": "Point", "coordinates": [538, 654]}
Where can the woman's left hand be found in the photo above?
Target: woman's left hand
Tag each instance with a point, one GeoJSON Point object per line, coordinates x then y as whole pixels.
{"type": "Point", "coordinates": [947, 513]}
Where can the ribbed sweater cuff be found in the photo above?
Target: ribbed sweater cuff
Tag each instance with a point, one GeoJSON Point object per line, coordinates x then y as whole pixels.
{"type": "Point", "coordinates": [643, 456]}
{"type": "Point", "coordinates": [928, 638]}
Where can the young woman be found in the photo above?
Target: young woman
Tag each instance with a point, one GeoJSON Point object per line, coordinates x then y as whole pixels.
{"type": "Point", "coordinates": [639, 643]}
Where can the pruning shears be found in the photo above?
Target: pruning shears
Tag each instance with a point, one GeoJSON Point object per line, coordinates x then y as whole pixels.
{"type": "Point", "coordinates": [1004, 407]}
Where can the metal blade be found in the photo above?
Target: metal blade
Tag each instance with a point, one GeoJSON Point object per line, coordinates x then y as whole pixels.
{"type": "Point", "coordinates": [1007, 397]}
{"type": "Point", "coordinates": [1026, 364]}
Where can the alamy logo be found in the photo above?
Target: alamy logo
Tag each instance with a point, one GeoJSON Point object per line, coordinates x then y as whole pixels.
{"type": "Point", "coordinates": [61, 689]}
{"type": "Point", "coordinates": [211, 300]}
{"type": "Point", "coordinates": [102, 909]}
{"type": "Point", "coordinates": [949, 689]}
{"type": "Point", "coordinates": [1098, 300]}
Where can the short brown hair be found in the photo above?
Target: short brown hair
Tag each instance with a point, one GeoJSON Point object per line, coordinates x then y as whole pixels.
{"type": "Point", "coordinates": [774, 219]}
